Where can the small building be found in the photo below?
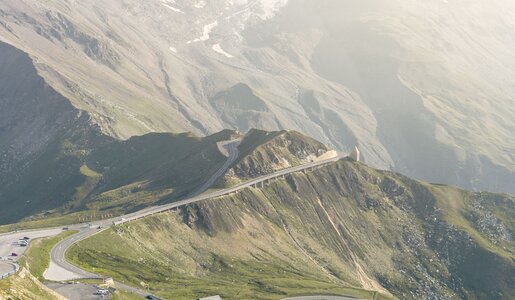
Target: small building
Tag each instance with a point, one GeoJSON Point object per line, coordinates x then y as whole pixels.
{"type": "Point", "coordinates": [217, 297]}
{"type": "Point", "coordinates": [108, 281]}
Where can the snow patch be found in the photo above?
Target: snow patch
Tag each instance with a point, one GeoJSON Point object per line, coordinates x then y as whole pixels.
{"type": "Point", "coordinates": [270, 7]}
{"type": "Point", "coordinates": [206, 32]}
{"type": "Point", "coordinates": [200, 4]}
{"type": "Point", "coordinates": [168, 4]}
{"type": "Point", "coordinates": [217, 48]}
{"type": "Point", "coordinates": [173, 8]}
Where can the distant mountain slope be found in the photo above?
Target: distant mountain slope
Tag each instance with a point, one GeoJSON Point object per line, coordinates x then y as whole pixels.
{"type": "Point", "coordinates": [57, 166]}
{"type": "Point", "coordinates": [54, 161]}
{"type": "Point", "coordinates": [422, 87]}
{"type": "Point", "coordinates": [340, 226]}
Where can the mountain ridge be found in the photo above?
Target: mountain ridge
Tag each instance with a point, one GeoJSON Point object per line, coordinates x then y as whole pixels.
{"type": "Point", "coordinates": [130, 65]}
{"type": "Point", "coordinates": [348, 225]}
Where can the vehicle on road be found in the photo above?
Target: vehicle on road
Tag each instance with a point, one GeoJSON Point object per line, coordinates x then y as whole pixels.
{"type": "Point", "coordinates": [65, 228]}
{"type": "Point", "coordinates": [26, 238]}
{"type": "Point", "coordinates": [102, 292]}
{"type": "Point", "coordinates": [14, 254]}
{"type": "Point", "coordinates": [99, 227]}
{"type": "Point", "coordinates": [23, 243]}
{"type": "Point", "coordinates": [152, 297]}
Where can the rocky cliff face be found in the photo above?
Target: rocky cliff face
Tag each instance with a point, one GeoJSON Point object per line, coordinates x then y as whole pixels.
{"type": "Point", "coordinates": [423, 88]}
{"type": "Point", "coordinates": [341, 225]}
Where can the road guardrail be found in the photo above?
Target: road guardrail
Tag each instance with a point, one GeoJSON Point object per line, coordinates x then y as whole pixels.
{"type": "Point", "coordinates": [15, 269]}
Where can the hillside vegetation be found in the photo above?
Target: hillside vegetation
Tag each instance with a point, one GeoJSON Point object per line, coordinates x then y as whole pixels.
{"type": "Point", "coordinates": [58, 167]}
{"type": "Point", "coordinates": [25, 286]}
{"type": "Point", "coordinates": [90, 176]}
{"type": "Point", "coordinates": [339, 227]}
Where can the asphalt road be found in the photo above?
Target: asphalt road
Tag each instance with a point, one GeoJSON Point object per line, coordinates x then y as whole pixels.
{"type": "Point", "coordinates": [9, 245]}
{"type": "Point", "coordinates": [8, 241]}
{"type": "Point", "coordinates": [57, 254]}
{"type": "Point", "coordinates": [5, 267]}
{"type": "Point", "coordinates": [75, 291]}
{"type": "Point", "coordinates": [231, 148]}
{"type": "Point", "coordinates": [60, 269]}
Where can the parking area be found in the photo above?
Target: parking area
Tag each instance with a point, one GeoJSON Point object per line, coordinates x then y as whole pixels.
{"type": "Point", "coordinates": [77, 291]}
{"type": "Point", "coordinates": [10, 243]}
{"type": "Point", "coordinates": [5, 267]}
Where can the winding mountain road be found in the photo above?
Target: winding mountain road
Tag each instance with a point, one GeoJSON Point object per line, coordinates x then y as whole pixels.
{"type": "Point", "coordinates": [60, 269]}
{"type": "Point", "coordinates": [59, 265]}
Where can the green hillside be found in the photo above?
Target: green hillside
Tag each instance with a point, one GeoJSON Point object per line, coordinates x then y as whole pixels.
{"type": "Point", "coordinates": [84, 175]}
{"type": "Point", "coordinates": [87, 175]}
{"type": "Point", "coordinates": [336, 230]}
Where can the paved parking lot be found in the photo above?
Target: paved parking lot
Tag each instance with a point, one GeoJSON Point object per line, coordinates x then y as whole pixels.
{"type": "Point", "coordinates": [5, 268]}
{"type": "Point", "coordinates": [76, 291]}
{"type": "Point", "coordinates": [8, 242]}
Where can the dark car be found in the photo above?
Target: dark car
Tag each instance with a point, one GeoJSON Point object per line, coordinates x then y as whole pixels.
{"type": "Point", "coordinates": [26, 238]}
{"type": "Point", "coordinates": [14, 254]}
{"type": "Point", "coordinates": [65, 228]}
{"type": "Point", "coordinates": [152, 297]}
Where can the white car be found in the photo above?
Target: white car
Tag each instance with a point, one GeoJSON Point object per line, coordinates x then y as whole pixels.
{"type": "Point", "coordinates": [102, 292]}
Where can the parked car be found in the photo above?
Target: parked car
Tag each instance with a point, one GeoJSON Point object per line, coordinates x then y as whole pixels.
{"type": "Point", "coordinates": [26, 238]}
{"type": "Point", "coordinates": [152, 297]}
{"type": "Point", "coordinates": [65, 228]}
{"type": "Point", "coordinates": [14, 254]}
{"type": "Point", "coordinates": [101, 292]}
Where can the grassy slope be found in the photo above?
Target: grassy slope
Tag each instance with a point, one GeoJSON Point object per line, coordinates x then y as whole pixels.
{"type": "Point", "coordinates": [103, 177]}
{"type": "Point", "coordinates": [339, 226]}
{"type": "Point", "coordinates": [111, 177]}
{"type": "Point", "coordinates": [56, 162]}
{"type": "Point", "coordinates": [37, 257]}
{"type": "Point", "coordinates": [198, 266]}
{"type": "Point", "coordinates": [24, 286]}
